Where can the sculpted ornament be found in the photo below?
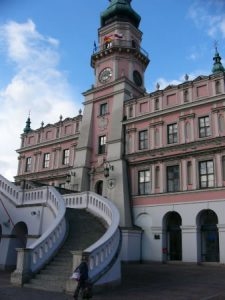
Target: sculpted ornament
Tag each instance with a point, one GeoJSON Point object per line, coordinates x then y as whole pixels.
{"type": "Point", "coordinates": [111, 183]}
{"type": "Point", "coordinates": [103, 123]}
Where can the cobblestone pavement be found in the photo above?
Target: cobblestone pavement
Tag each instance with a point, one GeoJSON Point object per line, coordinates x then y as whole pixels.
{"type": "Point", "coordinates": [144, 282]}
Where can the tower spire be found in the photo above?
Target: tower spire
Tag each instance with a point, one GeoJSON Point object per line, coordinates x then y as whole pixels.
{"type": "Point", "coordinates": [27, 128]}
{"type": "Point", "coordinates": [217, 66]}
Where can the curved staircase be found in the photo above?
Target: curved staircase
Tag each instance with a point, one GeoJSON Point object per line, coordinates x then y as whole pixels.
{"type": "Point", "coordinates": [84, 230]}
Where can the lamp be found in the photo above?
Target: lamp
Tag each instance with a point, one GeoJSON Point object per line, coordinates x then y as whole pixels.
{"type": "Point", "coordinates": [107, 168]}
{"type": "Point", "coordinates": [68, 177]}
{"type": "Point", "coordinates": [35, 213]}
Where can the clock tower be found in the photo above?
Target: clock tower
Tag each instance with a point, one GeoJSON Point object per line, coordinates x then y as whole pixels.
{"type": "Point", "coordinates": [119, 64]}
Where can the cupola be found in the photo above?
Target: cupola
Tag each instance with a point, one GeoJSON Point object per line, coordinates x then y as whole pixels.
{"type": "Point", "coordinates": [120, 10]}
{"type": "Point", "coordinates": [27, 128]}
{"type": "Point", "coordinates": [217, 66]}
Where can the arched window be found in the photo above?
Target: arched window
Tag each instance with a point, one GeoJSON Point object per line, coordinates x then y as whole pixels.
{"type": "Point", "coordinates": [217, 87]}
{"type": "Point", "coordinates": [157, 104]}
{"type": "Point", "coordinates": [186, 96]}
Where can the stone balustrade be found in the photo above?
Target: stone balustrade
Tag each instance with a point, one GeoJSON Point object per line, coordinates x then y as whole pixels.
{"type": "Point", "coordinates": [101, 253]}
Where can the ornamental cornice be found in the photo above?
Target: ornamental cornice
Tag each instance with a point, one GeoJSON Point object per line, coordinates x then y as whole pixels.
{"type": "Point", "coordinates": [52, 143]}
{"type": "Point", "coordinates": [188, 116]}
{"type": "Point", "coordinates": [218, 109]}
{"type": "Point", "coordinates": [187, 149]}
{"type": "Point", "coordinates": [159, 123]}
{"type": "Point", "coordinates": [131, 130]}
{"type": "Point", "coordinates": [47, 174]}
{"type": "Point", "coordinates": [173, 109]}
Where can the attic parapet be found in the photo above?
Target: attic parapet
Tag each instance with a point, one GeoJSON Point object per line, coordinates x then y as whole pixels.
{"type": "Point", "coordinates": [200, 89]}
{"type": "Point", "coordinates": [61, 129]}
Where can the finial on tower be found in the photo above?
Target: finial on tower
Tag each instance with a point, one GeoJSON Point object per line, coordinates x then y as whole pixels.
{"type": "Point", "coordinates": [217, 66]}
{"type": "Point", "coordinates": [27, 128]}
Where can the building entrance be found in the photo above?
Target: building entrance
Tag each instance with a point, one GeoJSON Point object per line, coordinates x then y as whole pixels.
{"type": "Point", "coordinates": [209, 236]}
{"type": "Point", "coordinates": [174, 239]}
{"type": "Point", "coordinates": [99, 187]}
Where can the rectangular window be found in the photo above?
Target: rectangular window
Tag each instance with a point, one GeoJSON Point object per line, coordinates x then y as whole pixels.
{"type": "Point", "coordinates": [173, 179]}
{"type": "Point", "coordinates": [101, 144]}
{"type": "Point", "coordinates": [130, 111]}
{"type": "Point", "coordinates": [144, 182]}
{"type": "Point", "coordinates": [103, 109]}
{"type": "Point", "coordinates": [66, 156]}
{"type": "Point", "coordinates": [204, 127]}
{"type": "Point", "coordinates": [223, 167]}
{"type": "Point", "coordinates": [206, 174]}
{"type": "Point", "coordinates": [46, 160]}
{"type": "Point", "coordinates": [143, 139]}
{"type": "Point", "coordinates": [28, 164]}
{"type": "Point", "coordinates": [157, 104]}
{"type": "Point", "coordinates": [172, 133]}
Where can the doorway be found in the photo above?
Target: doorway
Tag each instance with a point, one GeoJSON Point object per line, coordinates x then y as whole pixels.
{"type": "Point", "coordinates": [99, 187]}
{"type": "Point", "coordinates": [173, 236]}
{"type": "Point", "coordinates": [209, 236]}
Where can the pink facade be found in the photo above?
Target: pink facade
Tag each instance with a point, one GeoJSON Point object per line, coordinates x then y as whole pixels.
{"type": "Point", "coordinates": [47, 154]}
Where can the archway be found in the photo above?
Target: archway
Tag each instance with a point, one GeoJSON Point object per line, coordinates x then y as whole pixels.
{"type": "Point", "coordinates": [18, 240]}
{"type": "Point", "coordinates": [99, 187]}
{"type": "Point", "coordinates": [172, 247]}
{"type": "Point", "coordinates": [209, 237]}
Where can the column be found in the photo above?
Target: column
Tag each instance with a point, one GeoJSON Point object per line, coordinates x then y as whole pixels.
{"type": "Point", "coordinates": [218, 171]}
{"type": "Point", "coordinates": [189, 237]}
{"type": "Point", "coordinates": [221, 231]}
{"type": "Point", "coordinates": [215, 124]}
{"type": "Point", "coordinates": [184, 175]}
{"type": "Point", "coordinates": [162, 178]}
{"type": "Point", "coordinates": [194, 170]}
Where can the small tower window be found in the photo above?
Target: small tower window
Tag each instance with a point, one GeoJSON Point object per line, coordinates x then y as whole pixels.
{"type": "Point", "coordinates": [130, 111]}
{"type": "Point", "coordinates": [217, 87]}
{"type": "Point", "coordinates": [186, 96]}
{"type": "Point", "coordinates": [157, 104]}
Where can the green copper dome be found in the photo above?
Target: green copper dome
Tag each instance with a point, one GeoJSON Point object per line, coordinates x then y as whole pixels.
{"type": "Point", "coordinates": [120, 10]}
{"type": "Point", "coordinates": [217, 66]}
{"type": "Point", "coordinates": [27, 128]}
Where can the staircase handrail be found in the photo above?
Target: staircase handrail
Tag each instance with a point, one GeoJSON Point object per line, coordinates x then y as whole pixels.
{"type": "Point", "coordinates": [102, 251]}
{"type": "Point", "coordinates": [45, 247]}
{"type": "Point", "coordinates": [10, 190]}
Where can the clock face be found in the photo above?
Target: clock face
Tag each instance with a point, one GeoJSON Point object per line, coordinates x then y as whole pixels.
{"type": "Point", "coordinates": [137, 78]}
{"type": "Point", "coordinates": [105, 75]}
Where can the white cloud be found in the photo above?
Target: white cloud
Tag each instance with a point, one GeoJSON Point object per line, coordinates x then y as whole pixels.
{"type": "Point", "coordinates": [38, 86]}
{"type": "Point", "coordinates": [210, 16]}
{"type": "Point", "coordinates": [163, 82]}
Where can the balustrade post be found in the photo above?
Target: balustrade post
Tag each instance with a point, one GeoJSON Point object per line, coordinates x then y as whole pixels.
{"type": "Point", "coordinates": [23, 272]}
{"type": "Point", "coordinates": [71, 283]}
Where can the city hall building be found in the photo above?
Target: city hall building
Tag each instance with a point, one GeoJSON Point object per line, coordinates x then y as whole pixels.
{"type": "Point", "coordinates": [159, 156]}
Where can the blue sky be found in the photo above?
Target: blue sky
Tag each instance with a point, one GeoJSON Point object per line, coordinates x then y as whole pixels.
{"type": "Point", "coordinates": [45, 49]}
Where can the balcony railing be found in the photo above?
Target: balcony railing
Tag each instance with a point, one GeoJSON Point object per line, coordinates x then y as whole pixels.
{"type": "Point", "coordinates": [120, 44]}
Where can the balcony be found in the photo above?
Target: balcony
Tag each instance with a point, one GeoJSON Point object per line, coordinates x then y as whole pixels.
{"type": "Point", "coordinates": [119, 46]}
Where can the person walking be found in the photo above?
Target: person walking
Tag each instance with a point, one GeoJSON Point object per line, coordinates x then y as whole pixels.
{"type": "Point", "coordinates": [82, 269]}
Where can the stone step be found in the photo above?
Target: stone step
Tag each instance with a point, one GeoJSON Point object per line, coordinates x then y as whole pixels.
{"type": "Point", "coordinates": [84, 230]}
{"type": "Point", "coordinates": [62, 268]}
{"type": "Point", "coordinates": [66, 273]}
{"type": "Point", "coordinates": [53, 277]}
{"type": "Point", "coordinates": [54, 286]}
